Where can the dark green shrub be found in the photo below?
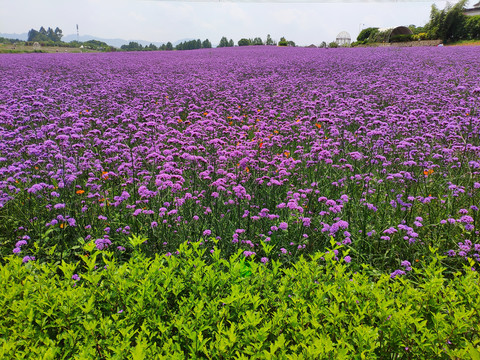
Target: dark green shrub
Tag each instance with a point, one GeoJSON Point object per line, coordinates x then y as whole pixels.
{"type": "Point", "coordinates": [401, 38]}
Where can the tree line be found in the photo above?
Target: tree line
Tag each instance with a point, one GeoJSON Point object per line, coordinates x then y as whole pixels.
{"type": "Point", "coordinates": [45, 35]}
{"type": "Point", "coordinates": [53, 37]}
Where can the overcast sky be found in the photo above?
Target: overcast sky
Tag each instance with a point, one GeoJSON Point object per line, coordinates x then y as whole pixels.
{"type": "Point", "coordinates": [162, 21]}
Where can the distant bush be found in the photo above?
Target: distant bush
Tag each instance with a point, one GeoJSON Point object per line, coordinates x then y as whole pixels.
{"type": "Point", "coordinates": [283, 42]}
{"type": "Point", "coordinates": [178, 307]}
{"type": "Point", "coordinates": [244, 42]}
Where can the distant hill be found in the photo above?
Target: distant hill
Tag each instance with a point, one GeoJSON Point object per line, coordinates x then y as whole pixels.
{"type": "Point", "coordinates": [23, 36]}
{"type": "Point", "coordinates": [112, 42]}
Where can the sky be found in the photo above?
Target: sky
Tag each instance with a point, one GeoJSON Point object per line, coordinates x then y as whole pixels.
{"type": "Point", "coordinates": [162, 21]}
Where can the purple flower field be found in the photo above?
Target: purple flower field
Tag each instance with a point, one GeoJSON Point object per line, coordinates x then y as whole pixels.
{"type": "Point", "coordinates": [271, 150]}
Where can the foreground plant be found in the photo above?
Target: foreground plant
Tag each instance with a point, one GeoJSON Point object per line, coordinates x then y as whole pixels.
{"type": "Point", "coordinates": [177, 307]}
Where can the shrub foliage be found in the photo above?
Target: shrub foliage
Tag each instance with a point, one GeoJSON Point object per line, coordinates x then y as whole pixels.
{"type": "Point", "coordinates": [184, 306]}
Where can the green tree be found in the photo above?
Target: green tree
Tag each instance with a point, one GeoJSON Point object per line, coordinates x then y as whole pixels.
{"type": "Point", "coordinates": [323, 45]}
{"type": "Point", "coordinates": [367, 33]}
{"type": "Point", "coordinates": [169, 46]}
{"type": "Point", "coordinates": [269, 40]}
{"type": "Point", "coordinates": [283, 42]}
{"type": "Point", "coordinates": [206, 44]}
{"type": "Point", "coordinates": [472, 27]}
{"type": "Point", "coordinates": [45, 35]}
{"type": "Point", "coordinates": [291, 43]}
{"type": "Point", "coordinates": [151, 47]}
{"type": "Point", "coordinates": [447, 24]}
{"type": "Point", "coordinates": [230, 43]}
{"type": "Point", "coordinates": [257, 41]}
{"type": "Point", "coordinates": [95, 44]}
{"type": "Point", "coordinates": [223, 42]}
{"type": "Point", "coordinates": [333, 44]}
{"type": "Point", "coordinates": [244, 42]}
{"type": "Point", "coordinates": [132, 46]}
{"type": "Point", "coordinates": [34, 35]}
{"type": "Point", "coordinates": [59, 33]}
{"type": "Point", "coordinates": [416, 29]}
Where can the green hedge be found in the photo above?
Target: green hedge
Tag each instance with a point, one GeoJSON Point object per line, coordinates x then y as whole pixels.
{"type": "Point", "coordinates": [180, 307]}
{"type": "Point", "coordinates": [402, 38]}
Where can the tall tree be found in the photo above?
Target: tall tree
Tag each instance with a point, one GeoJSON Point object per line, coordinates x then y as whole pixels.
{"type": "Point", "coordinates": [206, 44]}
{"type": "Point", "coordinates": [257, 41]}
{"type": "Point", "coordinates": [59, 33]}
{"type": "Point", "coordinates": [447, 24]}
{"type": "Point", "coordinates": [230, 43]}
{"type": "Point", "coordinates": [223, 42]}
{"type": "Point", "coordinates": [269, 40]}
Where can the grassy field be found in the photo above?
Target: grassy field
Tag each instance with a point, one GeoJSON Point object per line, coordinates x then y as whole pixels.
{"type": "Point", "coordinates": [465, 43]}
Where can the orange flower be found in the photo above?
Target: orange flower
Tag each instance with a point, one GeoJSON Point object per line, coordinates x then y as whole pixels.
{"type": "Point", "coordinates": [79, 192]}
{"type": "Point", "coordinates": [286, 153]}
{"type": "Point", "coordinates": [427, 172]}
{"type": "Point", "coordinates": [260, 145]}
{"type": "Point", "coordinates": [318, 125]}
{"type": "Point", "coordinates": [247, 169]}
{"type": "Point", "coordinates": [205, 113]}
{"type": "Point", "coordinates": [62, 225]}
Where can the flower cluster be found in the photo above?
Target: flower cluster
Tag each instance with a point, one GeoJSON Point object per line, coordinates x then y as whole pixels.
{"type": "Point", "coordinates": [369, 147]}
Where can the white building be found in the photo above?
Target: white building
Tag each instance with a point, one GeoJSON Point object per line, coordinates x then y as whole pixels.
{"type": "Point", "coordinates": [343, 38]}
{"type": "Point", "coordinates": [473, 11]}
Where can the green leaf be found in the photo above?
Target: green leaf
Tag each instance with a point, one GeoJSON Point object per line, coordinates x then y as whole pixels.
{"type": "Point", "coordinates": [245, 269]}
{"type": "Point", "coordinates": [473, 352]}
